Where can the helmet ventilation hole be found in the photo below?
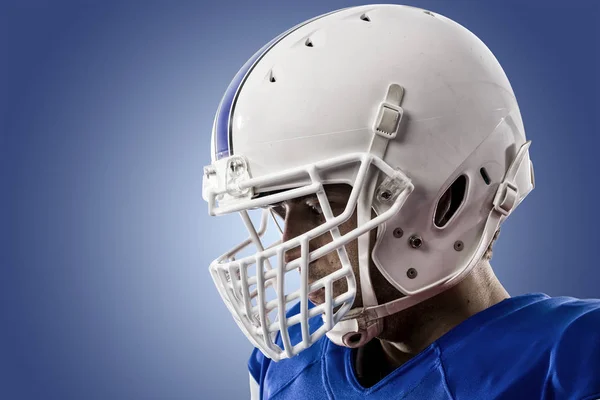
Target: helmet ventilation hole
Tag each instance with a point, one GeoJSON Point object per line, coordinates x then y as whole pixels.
{"type": "Point", "coordinates": [272, 77]}
{"type": "Point", "coordinates": [450, 202]}
{"type": "Point", "coordinates": [308, 43]}
{"type": "Point", "coordinates": [365, 18]}
{"type": "Point", "coordinates": [484, 175]}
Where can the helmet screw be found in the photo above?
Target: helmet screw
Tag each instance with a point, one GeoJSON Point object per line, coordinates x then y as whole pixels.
{"type": "Point", "coordinates": [209, 170]}
{"type": "Point", "coordinates": [415, 241]}
{"type": "Point", "coordinates": [458, 245]}
{"type": "Point", "coordinates": [386, 195]}
{"type": "Point", "coordinates": [411, 273]}
{"type": "Point", "coordinates": [398, 233]}
{"type": "Point", "coordinates": [236, 166]}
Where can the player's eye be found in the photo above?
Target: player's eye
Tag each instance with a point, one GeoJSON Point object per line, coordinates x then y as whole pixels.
{"type": "Point", "coordinates": [315, 207]}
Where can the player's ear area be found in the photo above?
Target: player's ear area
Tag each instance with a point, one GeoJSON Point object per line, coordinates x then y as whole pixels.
{"type": "Point", "coordinates": [442, 208]}
{"type": "Point", "coordinates": [450, 201]}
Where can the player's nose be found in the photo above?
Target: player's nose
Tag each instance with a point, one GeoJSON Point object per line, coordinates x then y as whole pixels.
{"type": "Point", "coordinates": [292, 255]}
{"type": "Point", "coordinates": [295, 225]}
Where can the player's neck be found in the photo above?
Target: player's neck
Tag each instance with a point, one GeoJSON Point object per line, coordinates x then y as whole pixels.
{"type": "Point", "coordinates": [411, 331]}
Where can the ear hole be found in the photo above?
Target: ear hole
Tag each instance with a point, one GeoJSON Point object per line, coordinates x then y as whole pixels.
{"type": "Point", "coordinates": [450, 202]}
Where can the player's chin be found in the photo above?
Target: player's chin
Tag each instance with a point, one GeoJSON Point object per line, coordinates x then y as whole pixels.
{"type": "Point", "coordinates": [317, 300]}
{"type": "Point", "coordinates": [317, 297]}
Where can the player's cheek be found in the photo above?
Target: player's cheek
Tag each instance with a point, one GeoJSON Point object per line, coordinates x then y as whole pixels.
{"type": "Point", "coordinates": [340, 287]}
{"type": "Point", "coordinates": [321, 268]}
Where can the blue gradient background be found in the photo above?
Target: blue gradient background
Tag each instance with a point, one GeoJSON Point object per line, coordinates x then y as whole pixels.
{"type": "Point", "coordinates": [106, 117]}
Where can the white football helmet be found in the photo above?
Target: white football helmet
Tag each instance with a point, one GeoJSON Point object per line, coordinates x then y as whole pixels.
{"type": "Point", "coordinates": [401, 103]}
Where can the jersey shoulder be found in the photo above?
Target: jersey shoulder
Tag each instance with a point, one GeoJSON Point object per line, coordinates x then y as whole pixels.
{"type": "Point", "coordinates": [531, 346]}
{"type": "Point", "coordinates": [273, 376]}
{"type": "Point", "coordinates": [574, 359]}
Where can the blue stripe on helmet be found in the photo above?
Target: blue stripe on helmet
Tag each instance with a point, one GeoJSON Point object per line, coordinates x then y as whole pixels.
{"type": "Point", "coordinates": [224, 114]}
{"type": "Point", "coordinates": [223, 147]}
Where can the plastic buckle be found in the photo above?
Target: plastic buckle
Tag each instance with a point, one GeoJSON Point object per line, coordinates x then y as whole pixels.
{"type": "Point", "coordinates": [224, 178]}
{"type": "Point", "coordinates": [506, 198]}
{"type": "Point", "coordinates": [388, 120]}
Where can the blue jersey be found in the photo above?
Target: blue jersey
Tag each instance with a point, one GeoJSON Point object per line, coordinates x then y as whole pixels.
{"type": "Point", "coordinates": [525, 347]}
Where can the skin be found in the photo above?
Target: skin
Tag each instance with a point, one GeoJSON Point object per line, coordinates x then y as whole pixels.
{"type": "Point", "coordinates": [408, 332]}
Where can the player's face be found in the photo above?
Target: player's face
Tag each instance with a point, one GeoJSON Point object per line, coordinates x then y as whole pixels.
{"type": "Point", "coordinates": [303, 214]}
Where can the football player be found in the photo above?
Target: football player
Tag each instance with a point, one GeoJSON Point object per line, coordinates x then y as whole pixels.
{"type": "Point", "coordinates": [386, 143]}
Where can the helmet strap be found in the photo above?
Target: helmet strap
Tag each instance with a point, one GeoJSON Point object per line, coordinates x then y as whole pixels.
{"type": "Point", "coordinates": [356, 333]}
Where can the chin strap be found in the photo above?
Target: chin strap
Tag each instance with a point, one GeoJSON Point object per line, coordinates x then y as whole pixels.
{"type": "Point", "coordinates": [360, 325]}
